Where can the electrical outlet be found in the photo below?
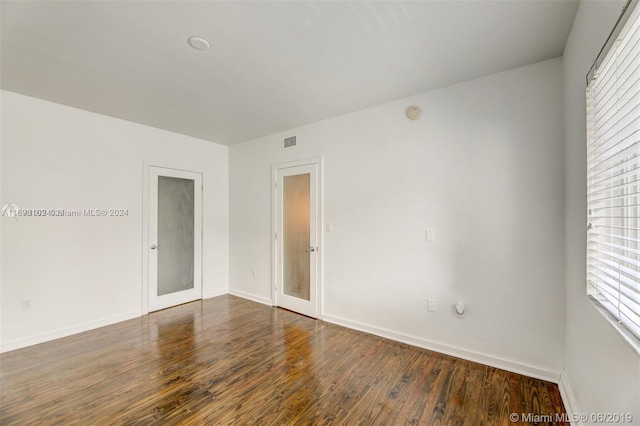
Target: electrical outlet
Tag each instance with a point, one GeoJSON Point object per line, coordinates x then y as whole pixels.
{"type": "Point", "coordinates": [254, 273]}
{"type": "Point", "coordinates": [26, 304]}
{"type": "Point", "coordinates": [432, 305]}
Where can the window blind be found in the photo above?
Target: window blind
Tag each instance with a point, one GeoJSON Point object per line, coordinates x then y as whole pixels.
{"type": "Point", "coordinates": [613, 187]}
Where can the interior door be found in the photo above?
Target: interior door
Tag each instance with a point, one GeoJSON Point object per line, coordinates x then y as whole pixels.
{"type": "Point", "coordinates": [175, 237]}
{"type": "Point", "coordinates": [297, 256]}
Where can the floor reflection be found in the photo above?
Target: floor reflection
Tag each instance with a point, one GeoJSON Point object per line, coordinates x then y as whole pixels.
{"type": "Point", "coordinates": [299, 369]}
{"type": "Point", "coordinates": [176, 355]}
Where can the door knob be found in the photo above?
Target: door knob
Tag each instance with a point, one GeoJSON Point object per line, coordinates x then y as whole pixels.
{"type": "Point", "coordinates": [155, 246]}
{"type": "Point", "coordinates": [310, 249]}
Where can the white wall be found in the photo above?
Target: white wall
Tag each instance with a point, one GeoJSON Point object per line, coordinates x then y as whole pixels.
{"type": "Point", "coordinates": [482, 167]}
{"type": "Point", "coordinates": [82, 272]}
{"type": "Point", "coordinates": [602, 372]}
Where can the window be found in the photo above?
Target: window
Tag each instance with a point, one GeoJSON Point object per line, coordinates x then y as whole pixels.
{"type": "Point", "coordinates": [613, 149]}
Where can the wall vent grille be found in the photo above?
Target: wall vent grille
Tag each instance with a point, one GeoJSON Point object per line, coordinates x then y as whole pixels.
{"type": "Point", "coordinates": [289, 142]}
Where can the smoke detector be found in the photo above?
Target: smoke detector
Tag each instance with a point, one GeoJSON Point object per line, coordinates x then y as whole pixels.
{"type": "Point", "coordinates": [414, 112]}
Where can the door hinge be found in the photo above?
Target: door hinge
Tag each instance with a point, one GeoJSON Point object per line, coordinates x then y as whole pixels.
{"type": "Point", "coordinates": [275, 184]}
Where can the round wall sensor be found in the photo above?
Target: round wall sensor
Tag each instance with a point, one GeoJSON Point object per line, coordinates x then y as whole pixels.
{"type": "Point", "coordinates": [414, 112]}
{"type": "Point", "coordinates": [199, 43]}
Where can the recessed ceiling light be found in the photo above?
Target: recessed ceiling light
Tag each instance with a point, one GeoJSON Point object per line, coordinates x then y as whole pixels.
{"type": "Point", "coordinates": [199, 43]}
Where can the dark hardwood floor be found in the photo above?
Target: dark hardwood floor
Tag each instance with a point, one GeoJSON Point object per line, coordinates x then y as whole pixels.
{"type": "Point", "coordinates": [229, 361]}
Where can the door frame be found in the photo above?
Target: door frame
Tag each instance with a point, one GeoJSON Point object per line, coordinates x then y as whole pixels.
{"type": "Point", "coordinates": [317, 161]}
{"type": "Point", "coordinates": [146, 168]}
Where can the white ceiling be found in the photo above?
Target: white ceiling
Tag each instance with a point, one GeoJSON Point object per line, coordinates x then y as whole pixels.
{"type": "Point", "coordinates": [273, 65]}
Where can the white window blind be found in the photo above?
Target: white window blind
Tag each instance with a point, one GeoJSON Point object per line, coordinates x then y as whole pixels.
{"type": "Point", "coordinates": [613, 189]}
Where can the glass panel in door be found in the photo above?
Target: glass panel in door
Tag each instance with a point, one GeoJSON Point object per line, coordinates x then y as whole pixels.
{"type": "Point", "coordinates": [297, 236]}
{"type": "Point", "coordinates": [175, 234]}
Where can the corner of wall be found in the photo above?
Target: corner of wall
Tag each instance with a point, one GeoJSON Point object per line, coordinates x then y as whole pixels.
{"type": "Point", "coordinates": [566, 392]}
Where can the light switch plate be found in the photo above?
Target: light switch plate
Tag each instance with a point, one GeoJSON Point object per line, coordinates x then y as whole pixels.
{"type": "Point", "coordinates": [430, 236]}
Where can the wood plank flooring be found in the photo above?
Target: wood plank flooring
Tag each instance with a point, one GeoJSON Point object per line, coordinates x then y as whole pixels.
{"type": "Point", "coordinates": [229, 361]}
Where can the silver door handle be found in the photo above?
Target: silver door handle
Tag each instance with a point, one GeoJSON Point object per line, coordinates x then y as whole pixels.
{"type": "Point", "coordinates": [155, 246]}
{"type": "Point", "coordinates": [310, 249]}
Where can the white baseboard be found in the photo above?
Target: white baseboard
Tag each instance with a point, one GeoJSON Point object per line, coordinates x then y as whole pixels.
{"type": "Point", "coordinates": [566, 392]}
{"type": "Point", "coordinates": [493, 361]}
{"type": "Point", "coordinates": [249, 296]}
{"type": "Point", "coordinates": [64, 332]}
{"type": "Point", "coordinates": [215, 293]}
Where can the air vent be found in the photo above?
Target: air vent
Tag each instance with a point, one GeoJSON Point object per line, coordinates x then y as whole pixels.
{"type": "Point", "coordinates": [289, 142]}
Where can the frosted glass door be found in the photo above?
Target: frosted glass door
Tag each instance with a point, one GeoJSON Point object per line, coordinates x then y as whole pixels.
{"type": "Point", "coordinates": [175, 229]}
{"type": "Point", "coordinates": [297, 257]}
